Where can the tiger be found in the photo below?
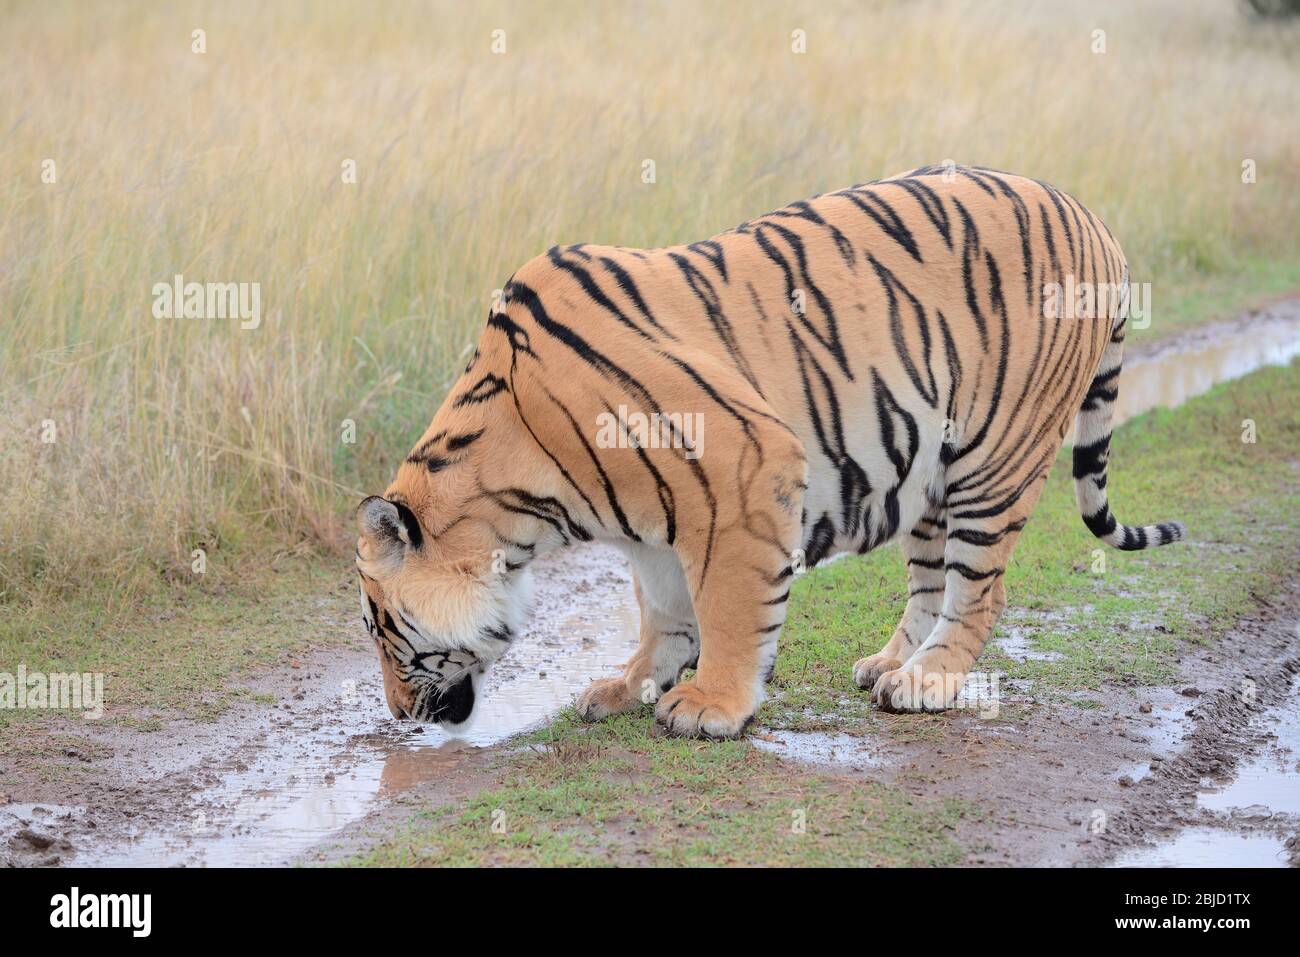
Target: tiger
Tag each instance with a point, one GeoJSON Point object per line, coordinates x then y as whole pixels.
{"type": "Point", "coordinates": [889, 362]}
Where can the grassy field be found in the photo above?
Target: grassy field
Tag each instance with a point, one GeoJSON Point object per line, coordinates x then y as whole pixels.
{"type": "Point", "coordinates": [129, 157]}
{"type": "Point", "coordinates": [619, 791]}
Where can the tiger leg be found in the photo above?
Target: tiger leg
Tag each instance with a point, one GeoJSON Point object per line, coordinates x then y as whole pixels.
{"type": "Point", "coordinates": [923, 548]}
{"type": "Point", "coordinates": [975, 557]}
{"type": "Point", "coordinates": [670, 638]}
{"type": "Point", "coordinates": [740, 588]}
{"type": "Point", "coordinates": [739, 632]}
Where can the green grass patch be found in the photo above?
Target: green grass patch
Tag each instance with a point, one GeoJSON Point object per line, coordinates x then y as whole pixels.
{"type": "Point", "coordinates": [1183, 298]}
{"type": "Point", "coordinates": [616, 792]}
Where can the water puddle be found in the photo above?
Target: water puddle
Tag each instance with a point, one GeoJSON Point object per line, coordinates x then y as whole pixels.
{"type": "Point", "coordinates": [1193, 364]}
{"type": "Point", "coordinates": [1209, 847]}
{"type": "Point", "coordinates": [981, 695]}
{"type": "Point", "coordinates": [815, 747]}
{"type": "Point", "coordinates": [1269, 783]}
{"type": "Point", "coordinates": [323, 769]}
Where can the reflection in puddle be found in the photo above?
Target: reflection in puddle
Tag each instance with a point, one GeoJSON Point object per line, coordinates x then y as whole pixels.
{"type": "Point", "coordinates": [406, 768]}
{"type": "Point", "coordinates": [277, 810]}
{"type": "Point", "coordinates": [1209, 847]}
{"type": "Point", "coordinates": [306, 785]}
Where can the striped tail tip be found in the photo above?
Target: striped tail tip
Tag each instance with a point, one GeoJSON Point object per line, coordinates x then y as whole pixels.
{"type": "Point", "coordinates": [1133, 538]}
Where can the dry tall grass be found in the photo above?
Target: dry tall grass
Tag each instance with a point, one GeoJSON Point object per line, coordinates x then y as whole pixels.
{"type": "Point", "coordinates": [226, 166]}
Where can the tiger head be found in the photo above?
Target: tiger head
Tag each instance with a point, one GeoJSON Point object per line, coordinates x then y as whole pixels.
{"type": "Point", "coordinates": [443, 555]}
{"type": "Point", "coordinates": [442, 558]}
{"type": "Point", "coordinates": [441, 610]}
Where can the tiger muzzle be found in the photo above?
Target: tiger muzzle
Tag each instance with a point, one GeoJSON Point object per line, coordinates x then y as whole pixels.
{"type": "Point", "coordinates": [450, 705]}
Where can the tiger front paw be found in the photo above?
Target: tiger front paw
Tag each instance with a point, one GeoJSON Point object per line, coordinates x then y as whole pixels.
{"type": "Point", "coordinates": [689, 712]}
{"type": "Point", "coordinates": [915, 689]}
{"type": "Point", "coordinates": [868, 670]}
{"type": "Point", "coordinates": [606, 696]}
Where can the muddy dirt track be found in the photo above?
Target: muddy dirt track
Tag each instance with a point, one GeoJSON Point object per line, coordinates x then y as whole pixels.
{"type": "Point", "coordinates": [1202, 771]}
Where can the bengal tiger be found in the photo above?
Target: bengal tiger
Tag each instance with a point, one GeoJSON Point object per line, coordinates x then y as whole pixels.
{"type": "Point", "coordinates": [884, 362]}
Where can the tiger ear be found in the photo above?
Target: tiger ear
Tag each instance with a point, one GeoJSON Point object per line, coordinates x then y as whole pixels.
{"type": "Point", "coordinates": [386, 524]}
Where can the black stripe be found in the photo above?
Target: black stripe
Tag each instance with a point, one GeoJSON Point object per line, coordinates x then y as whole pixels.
{"type": "Point", "coordinates": [971, 574]}
{"type": "Point", "coordinates": [1091, 459]}
{"type": "Point", "coordinates": [458, 442]}
{"type": "Point", "coordinates": [484, 389]}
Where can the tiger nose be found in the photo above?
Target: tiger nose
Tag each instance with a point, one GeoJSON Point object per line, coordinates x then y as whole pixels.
{"type": "Point", "coordinates": [397, 711]}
